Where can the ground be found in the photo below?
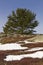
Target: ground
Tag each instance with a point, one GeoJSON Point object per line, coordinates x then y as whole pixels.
{"type": "Point", "coordinates": [23, 61]}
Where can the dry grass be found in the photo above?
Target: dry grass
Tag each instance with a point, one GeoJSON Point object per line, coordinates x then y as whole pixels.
{"type": "Point", "coordinates": [14, 39]}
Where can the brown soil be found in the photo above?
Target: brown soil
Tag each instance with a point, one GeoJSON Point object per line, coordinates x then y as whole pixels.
{"type": "Point", "coordinates": [31, 45]}
{"type": "Point", "coordinates": [24, 61]}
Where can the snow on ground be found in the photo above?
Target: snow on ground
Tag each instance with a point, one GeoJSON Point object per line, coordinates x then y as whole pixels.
{"type": "Point", "coordinates": [27, 42]}
{"type": "Point", "coordinates": [12, 46]}
{"type": "Point", "coordinates": [38, 54]}
{"type": "Point", "coordinates": [35, 49]}
{"type": "Point", "coordinates": [16, 46]}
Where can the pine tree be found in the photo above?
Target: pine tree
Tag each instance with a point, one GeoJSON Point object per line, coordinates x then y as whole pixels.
{"type": "Point", "coordinates": [21, 21]}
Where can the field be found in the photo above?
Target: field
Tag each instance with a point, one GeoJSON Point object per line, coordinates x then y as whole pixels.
{"type": "Point", "coordinates": [24, 52]}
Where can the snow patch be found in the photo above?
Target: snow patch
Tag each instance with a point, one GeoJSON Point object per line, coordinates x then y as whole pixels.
{"type": "Point", "coordinates": [38, 54]}
{"type": "Point", "coordinates": [35, 49]}
{"type": "Point", "coordinates": [28, 42]}
{"type": "Point", "coordinates": [12, 46]}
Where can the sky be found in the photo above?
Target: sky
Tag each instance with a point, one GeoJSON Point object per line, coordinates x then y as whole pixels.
{"type": "Point", "coordinates": [7, 6]}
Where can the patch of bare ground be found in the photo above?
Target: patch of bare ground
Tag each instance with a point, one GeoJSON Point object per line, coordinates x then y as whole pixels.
{"type": "Point", "coordinates": [33, 45]}
{"type": "Point", "coordinates": [24, 61]}
{"type": "Point", "coordinates": [4, 53]}
{"type": "Point", "coordinates": [17, 52]}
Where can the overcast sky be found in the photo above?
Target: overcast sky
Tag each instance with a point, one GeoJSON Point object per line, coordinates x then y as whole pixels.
{"type": "Point", "coordinates": [6, 7]}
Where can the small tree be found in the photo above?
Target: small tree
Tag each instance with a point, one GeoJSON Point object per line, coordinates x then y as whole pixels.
{"type": "Point", "coordinates": [21, 21]}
